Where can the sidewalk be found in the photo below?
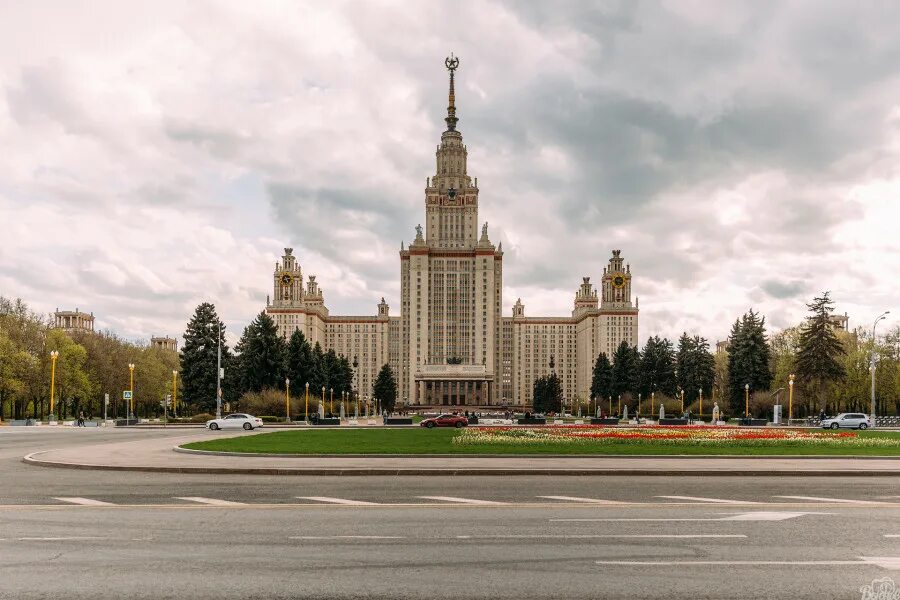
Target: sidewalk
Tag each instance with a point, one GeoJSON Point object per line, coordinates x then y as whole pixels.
{"type": "Point", "coordinates": [158, 455]}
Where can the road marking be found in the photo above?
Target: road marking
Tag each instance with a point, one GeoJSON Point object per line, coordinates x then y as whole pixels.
{"type": "Point", "coordinates": [56, 539]}
{"type": "Point", "coordinates": [673, 563]}
{"type": "Point", "coordinates": [602, 536]}
{"type": "Point", "coordinates": [346, 537]}
{"type": "Point", "coordinates": [84, 501]}
{"type": "Point", "coordinates": [840, 500]}
{"type": "Point", "coordinates": [338, 501]}
{"type": "Point", "coordinates": [712, 500]}
{"type": "Point", "coordinates": [892, 535]}
{"type": "Point", "coordinates": [885, 562]}
{"type": "Point", "coordinates": [584, 500]}
{"type": "Point", "coordinates": [210, 501]}
{"type": "Point", "coordinates": [462, 500]}
{"type": "Point", "coordinates": [767, 516]}
{"type": "Point", "coordinates": [751, 516]}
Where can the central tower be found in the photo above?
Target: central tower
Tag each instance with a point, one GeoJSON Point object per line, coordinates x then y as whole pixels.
{"type": "Point", "coordinates": [451, 282]}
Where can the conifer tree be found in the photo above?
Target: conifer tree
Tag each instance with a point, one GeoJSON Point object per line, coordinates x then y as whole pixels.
{"type": "Point", "coordinates": [385, 388]}
{"type": "Point", "coordinates": [601, 381]}
{"type": "Point", "coordinates": [748, 357]}
{"type": "Point", "coordinates": [262, 359]}
{"type": "Point", "coordinates": [198, 356]}
{"type": "Point", "coordinates": [820, 352]}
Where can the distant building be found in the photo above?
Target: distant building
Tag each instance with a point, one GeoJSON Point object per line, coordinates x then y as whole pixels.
{"type": "Point", "coordinates": [841, 322]}
{"type": "Point", "coordinates": [164, 343]}
{"type": "Point", "coordinates": [722, 345]}
{"type": "Point", "coordinates": [74, 321]}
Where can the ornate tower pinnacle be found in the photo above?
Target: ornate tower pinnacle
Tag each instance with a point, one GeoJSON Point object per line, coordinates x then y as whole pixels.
{"type": "Point", "coordinates": [452, 63]}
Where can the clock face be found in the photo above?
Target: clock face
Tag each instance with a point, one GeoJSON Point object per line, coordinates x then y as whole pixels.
{"type": "Point", "coordinates": [451, 193]}
{"type": "Point", "coordinates": [286, 279]}
{"type": "Point", "coordinates": [618, 280]}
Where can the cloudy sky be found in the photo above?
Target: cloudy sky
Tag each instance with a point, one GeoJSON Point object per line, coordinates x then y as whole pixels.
{"type": "Point", "coordinates": [156, 155]}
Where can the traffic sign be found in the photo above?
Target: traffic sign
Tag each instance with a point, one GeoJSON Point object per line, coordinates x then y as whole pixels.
{"type": "Point", "coordinates": [126, 395]}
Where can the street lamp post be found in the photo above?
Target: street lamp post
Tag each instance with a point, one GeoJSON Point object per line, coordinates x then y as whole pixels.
{"type": "Point", "coordinates": [872, 363]}
{"type": "Point", "coordinates": [174, 393]}
{"type": "Point", "coordinates": [331, 405]}
{"type": "Point", "coordinates": [306, 410]}
{"type": "Point", "coordinates": [639, 408]}
{"type": "Point", "coordinates": [54, 354]}
{"type": "Point", "coordinates": [287, 399]}
{"type": "Point", "coordinates": [790, 398]}
{"type": "Point", "coordinates": [131, 389]}
{"type": "Point", "coordinates": [701, 403]}
{"type": "Point", "coordinates": [619, 405]}
{"type": "Point", "coordinates": [219, 373]}
{"type": "Point", "coordinates": [746, 400]}
{"type": "Point", "coordinates": [682, 401]}
{"type": "Point", "coordinates": [322, 405]}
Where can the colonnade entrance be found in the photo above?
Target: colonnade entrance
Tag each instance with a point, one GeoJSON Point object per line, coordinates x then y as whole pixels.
{"type": "Point", "coordinates": [453, 392]}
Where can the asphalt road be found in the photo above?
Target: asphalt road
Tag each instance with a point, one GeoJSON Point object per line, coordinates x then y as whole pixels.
{"type": "Point", "coordinates": [144, 535]}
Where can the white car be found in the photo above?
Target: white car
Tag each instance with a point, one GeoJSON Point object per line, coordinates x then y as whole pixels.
{"type": "Point", "coordinates": [235, 421]}
{"type": "Point", "coordinates": [848, 420]}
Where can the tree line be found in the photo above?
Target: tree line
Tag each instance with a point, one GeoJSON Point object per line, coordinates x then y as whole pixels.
{"type": "Point", "coordinates": [264, 367]}
{"type": "Point", "coordinates": [830, 368]}
{"type": "Point", "coordinates": [89, 366]}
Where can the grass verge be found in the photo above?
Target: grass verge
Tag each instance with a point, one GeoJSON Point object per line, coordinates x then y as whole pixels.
{"type": "Point", "coordinates": [440, 441]}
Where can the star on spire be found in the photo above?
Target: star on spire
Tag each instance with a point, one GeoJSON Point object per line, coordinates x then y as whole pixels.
{"type": "Point", "coordinates": [452, 63]}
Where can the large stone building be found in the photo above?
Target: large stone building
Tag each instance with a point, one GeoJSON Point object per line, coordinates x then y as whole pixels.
{"type": "Point", "coordinates": [451, 346]}
{"type": "Point", "coordinates": [72, 321]}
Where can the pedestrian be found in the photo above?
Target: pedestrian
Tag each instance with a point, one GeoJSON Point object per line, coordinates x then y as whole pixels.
{"type": "Point", "coordinates": [81, 419]}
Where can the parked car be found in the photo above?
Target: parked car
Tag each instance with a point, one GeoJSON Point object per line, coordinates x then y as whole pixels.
{"type": "Point", "coordinates": [847, 421]}
{"type": "Point", "coordinates": [235, 421]}
{"type": "Point", "coordinates": [445, 421]}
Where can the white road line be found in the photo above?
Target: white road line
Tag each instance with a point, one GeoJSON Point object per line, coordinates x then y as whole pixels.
{"type": "Point", "coordinates": [892, 535]}
{"type": "Point", "coordinates": [751, 516]}
{"type": "Point", "coordinates": [338, 501]}
{"type": "Point", "coordinates": [210, 501]}
{"type": "Point", "coordinates": [839, 500]}
{"type": "Point", "coordinates": [347, 537]}
{"type": "Point", "coordinates": [460, 500]}
{"type": "Point", "coordinates": [56, 539]}
{"type": "Point", "coordinates": [584, 500]}
{"type": "Point", "coordinates": [674, 563]}
{"type": "Point", "coordinates": [686, 536]}
{"type": "Point", "coordinates": [891, 563]}
{"type": "Point", "coordinates": [84, 501]}
{"type": "Point", "coordinates": [711, 500]}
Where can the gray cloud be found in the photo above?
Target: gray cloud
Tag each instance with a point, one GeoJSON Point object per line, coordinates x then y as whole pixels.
{"type": "Point", "coordinates": [735, 153]}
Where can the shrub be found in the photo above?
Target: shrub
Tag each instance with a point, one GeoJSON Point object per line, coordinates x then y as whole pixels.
{"type": "Point", "coordinates": [271, 419]}
{"type": "Point", "coordinates": [201, 418]}
{"type": "Point", "coordinates": [266, 402]}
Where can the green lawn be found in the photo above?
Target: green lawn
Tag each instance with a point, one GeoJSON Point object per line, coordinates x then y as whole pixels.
{"type": "Point", "coordinates": [439, 441]}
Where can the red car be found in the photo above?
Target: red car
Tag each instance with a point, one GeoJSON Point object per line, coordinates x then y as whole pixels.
{"type": "Point", "coordinates": [445, 421]}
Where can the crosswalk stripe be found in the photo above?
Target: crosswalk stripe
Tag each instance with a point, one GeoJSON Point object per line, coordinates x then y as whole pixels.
{"type": "Point", "coordinates": [840, 500]}
{"type": "Point", "coordinates": [210, 501]}
{"type": "Point", "coordinates": [711, 500]}
{"type": "Point", "coordinates": [83, 501]}
{"type": "Point", "coordinates": [338, 501]}
{"type": "Point", "coordinates": [460, 500]}
{"type": "Point", "coordinates": [584, 500]}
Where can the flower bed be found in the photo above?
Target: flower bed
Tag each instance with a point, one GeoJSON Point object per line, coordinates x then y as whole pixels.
{"type": "Point", "coordinates": [669, 435]}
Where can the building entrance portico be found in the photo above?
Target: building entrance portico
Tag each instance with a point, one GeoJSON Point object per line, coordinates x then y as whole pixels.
{"type": "Point", "coordinates": [453, 385]}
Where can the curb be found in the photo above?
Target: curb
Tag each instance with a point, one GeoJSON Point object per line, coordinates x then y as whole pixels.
{"type": "Point", "coordinates": [30, 459]}
{"type": "Point", "coordinates": [532, 456]}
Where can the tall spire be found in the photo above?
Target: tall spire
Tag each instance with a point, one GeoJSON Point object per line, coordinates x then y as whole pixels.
{"type": "Point", "coordinates": [451, 63]}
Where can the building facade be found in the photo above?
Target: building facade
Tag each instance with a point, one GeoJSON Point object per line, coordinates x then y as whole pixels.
{"type": "Point", "coordinates": [451, 345]}
{"type": "Point", "coordinates": [72, 321]}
